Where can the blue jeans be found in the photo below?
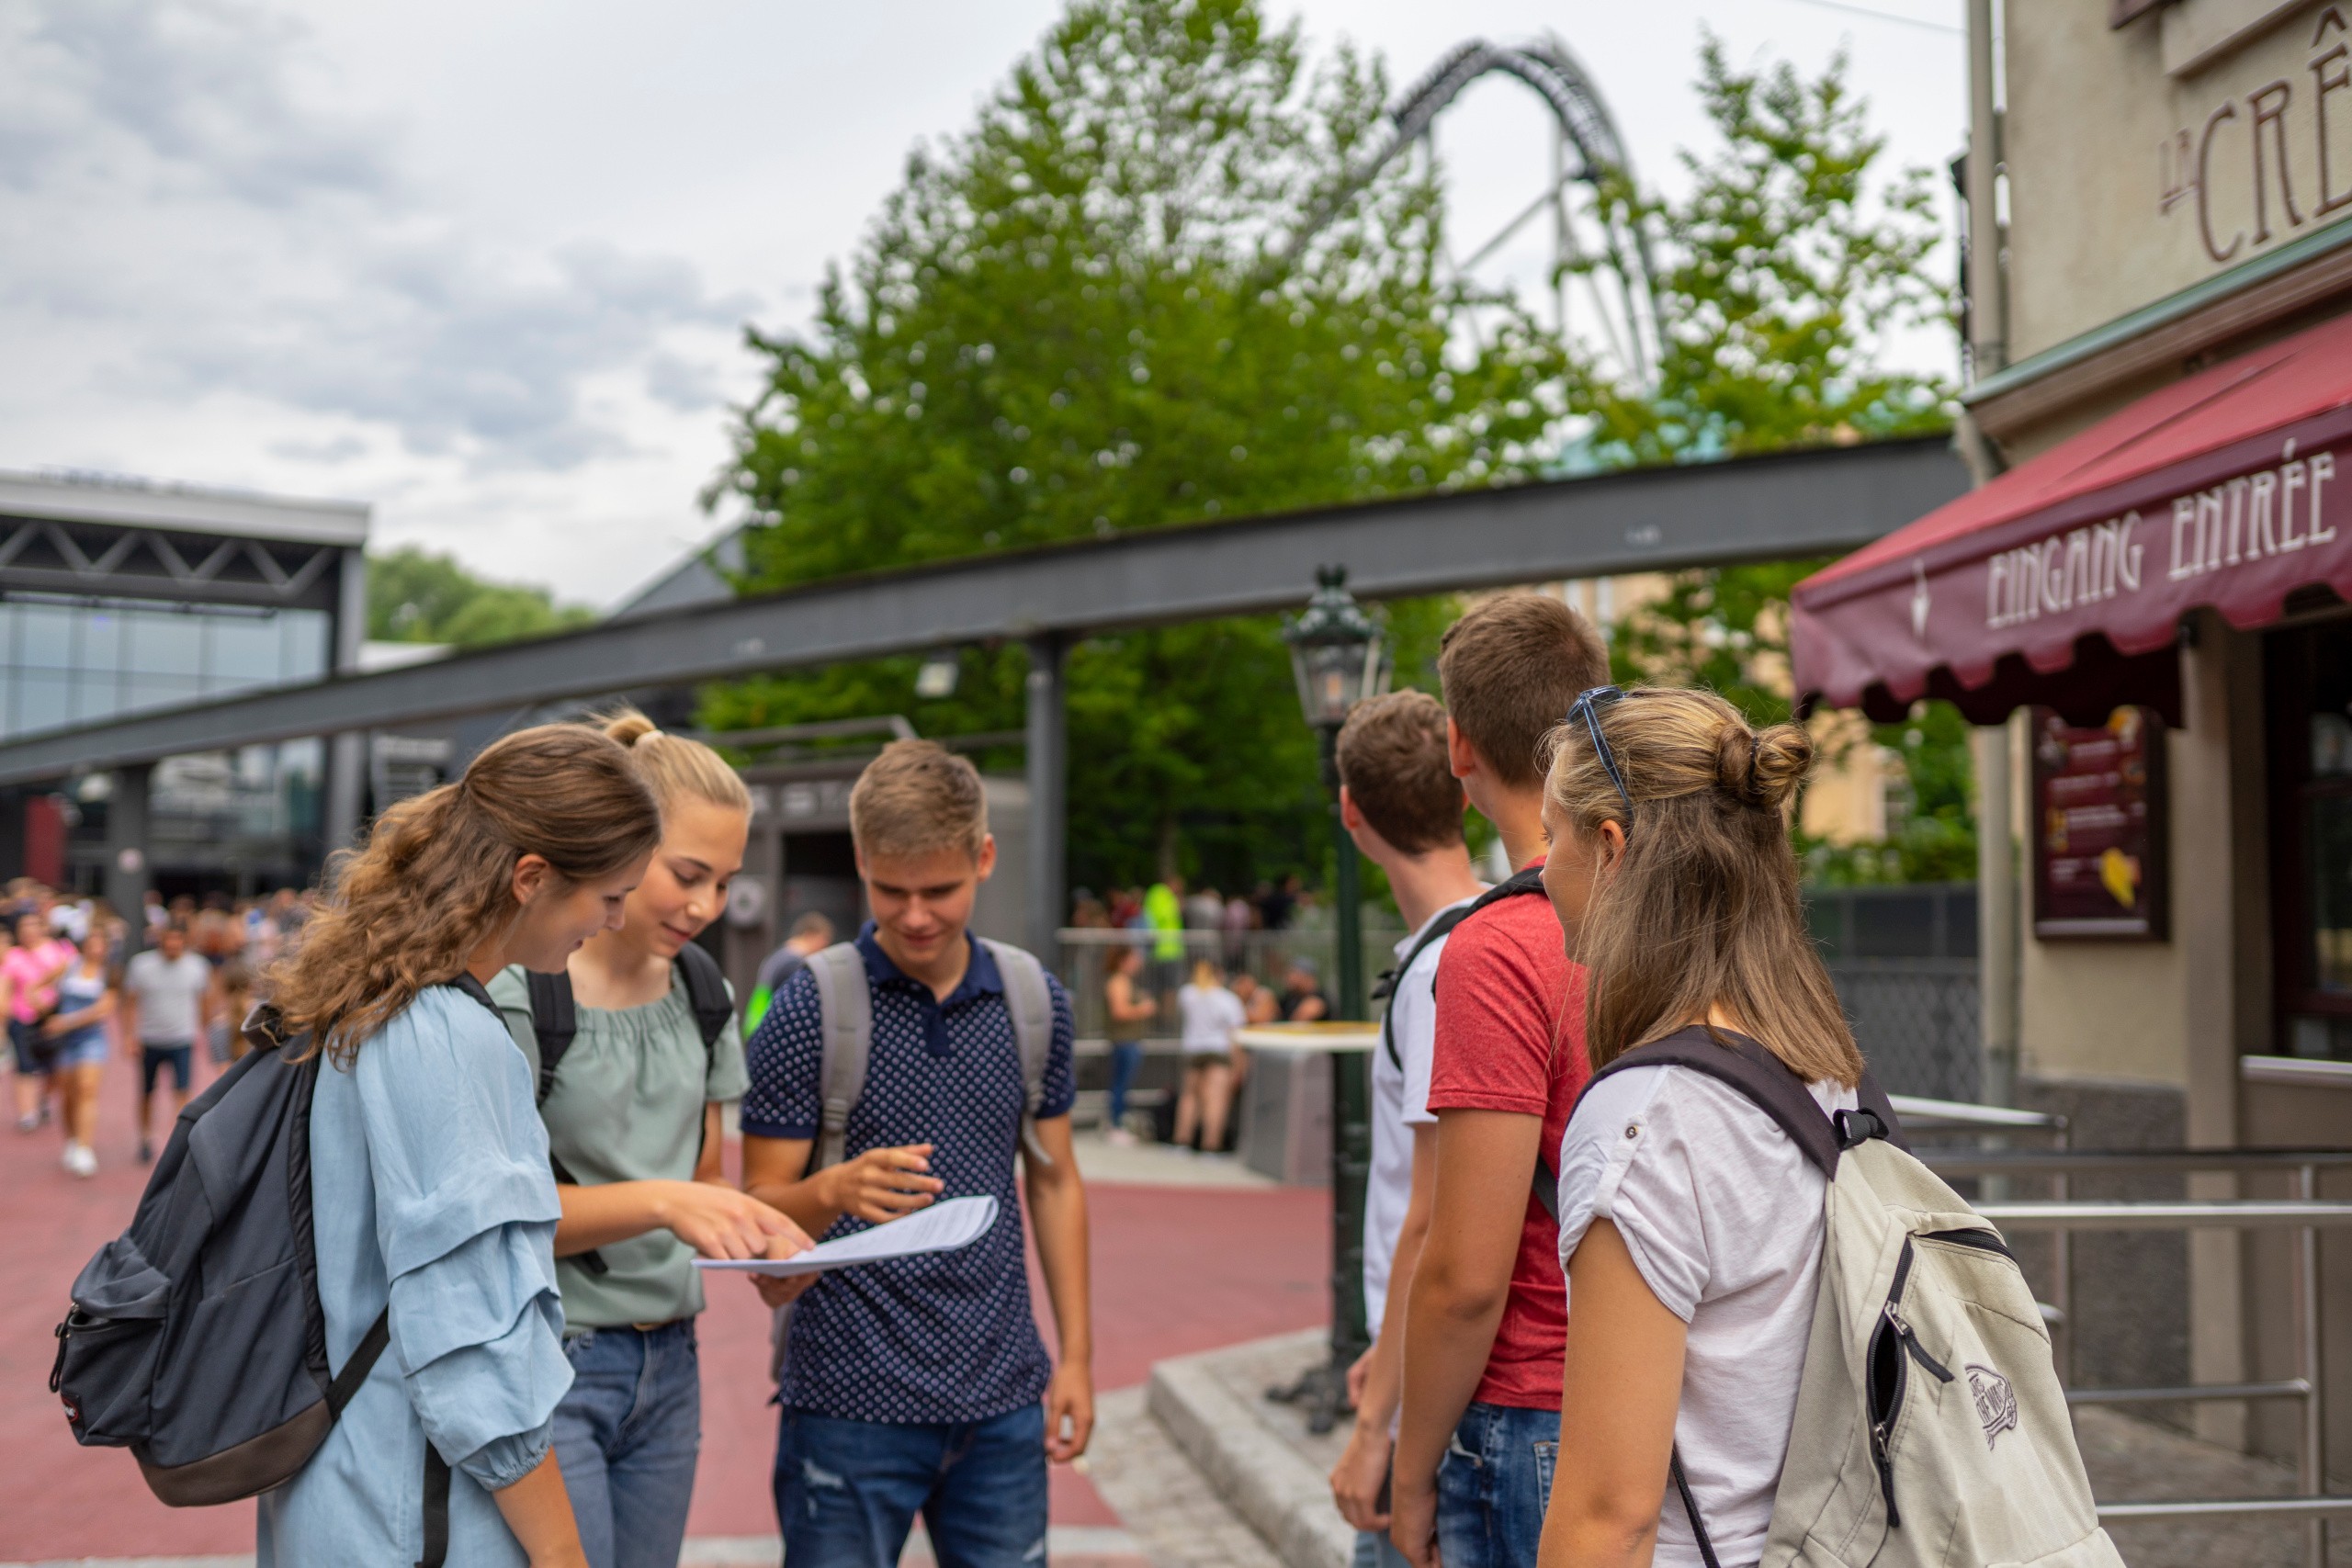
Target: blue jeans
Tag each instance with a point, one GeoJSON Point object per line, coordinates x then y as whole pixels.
{"type": "Point", "coordinates": [1126, 1061]}
{"type": "Point", "coordinates": [626, 1435]}
{"type": "Point", "coordinates": [1375, 1550]}
{"type": "Point", "coordinates": [1494, 1485]}
{"type": "Point", "coordinates": [847, 1491]}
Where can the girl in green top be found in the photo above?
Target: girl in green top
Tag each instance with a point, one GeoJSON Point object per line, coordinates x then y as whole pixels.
{"type": "Point", "coordinates": [633, 1126]}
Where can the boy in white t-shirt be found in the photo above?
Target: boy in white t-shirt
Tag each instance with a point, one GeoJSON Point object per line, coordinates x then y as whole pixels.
{"type": "Point", "coordinates": [1403, 806]}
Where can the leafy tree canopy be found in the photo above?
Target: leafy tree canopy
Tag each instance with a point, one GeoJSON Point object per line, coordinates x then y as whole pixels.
{"type": "Point", "coordinates": [414, 595]}
{"type": "Point", "coordinates": [1782, 267]}
{"type": "Point", "coordinates": [1089, 313]}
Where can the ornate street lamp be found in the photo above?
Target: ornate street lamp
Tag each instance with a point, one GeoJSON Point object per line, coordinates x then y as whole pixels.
{"type": "Point", "coordinates": [1339, 658]}
{"type": "Point", "coordinates": [1335, 653]}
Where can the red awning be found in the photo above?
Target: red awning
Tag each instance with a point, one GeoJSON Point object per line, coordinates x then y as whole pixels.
{"type": "Point", "coordinates": [2065, 580]}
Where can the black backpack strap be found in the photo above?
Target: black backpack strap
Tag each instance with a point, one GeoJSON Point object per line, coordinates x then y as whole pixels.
{"type": "Point", "coordinates": [1527, 881]}
{"type": "Point", "coordinates": [1690, 1507]}
{"type": "Point", "coordinates": [1511, 886]}
{"type": "Point", "coordinates": [363, 1361]}
{"type": "Point", "coordinates": [714, 1010]}
{"type": "Point", "coordinates": [466, 982]}
{"type": "Point", "coordinates": [555, 1019]}
{"type": "Point", "coordinates": [1755, 1073]}
{"type": "Point", "coordinates": [1438, 930]}
{"type": "Point", "coordinates": [1518, 885]}
{"type": "Point", "coordinates": [1769, 1084]}
{"type": "Point", "coordinates": [1874, 1104]}
{"type": "Point", "coordinates": [437, 1509]}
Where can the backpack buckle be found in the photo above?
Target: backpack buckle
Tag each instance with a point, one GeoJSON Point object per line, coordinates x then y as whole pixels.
{"type": "Point", "coordinates": [1855, 1128]}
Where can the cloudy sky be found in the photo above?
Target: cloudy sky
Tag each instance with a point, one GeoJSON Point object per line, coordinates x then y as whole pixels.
{"type": "Point", "coordinates": [487, 265]}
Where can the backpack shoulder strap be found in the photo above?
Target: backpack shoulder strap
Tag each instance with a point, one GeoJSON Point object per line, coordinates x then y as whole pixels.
{"type": "Point", "coordinates": [1030, 999]}
{"type": "Point", "coordinates": [1765, 1081]}
{"type": "Point", "coordinates": [714, 1010]}
{"type": "Point", "coordinates": [1438, 930]}
{"type": "Point", "coordinates": [555, 1019]}
{"type": "Point", "coordinates": [1518, 885]}
{"type": "Point", "coordinates": [477, 991]}
{"type": "Point", "coordinates": [845, 1032]}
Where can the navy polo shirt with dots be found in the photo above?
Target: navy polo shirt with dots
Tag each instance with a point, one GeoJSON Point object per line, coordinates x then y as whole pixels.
{"type": "Point", "coordinates": [948, 1336]}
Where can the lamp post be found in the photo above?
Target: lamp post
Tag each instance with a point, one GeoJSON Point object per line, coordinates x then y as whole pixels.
{"type": "Point", "coordinates": [1336, 654]}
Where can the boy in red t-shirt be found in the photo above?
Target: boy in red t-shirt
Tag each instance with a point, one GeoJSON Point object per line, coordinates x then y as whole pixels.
{"type": "Point", "coordinates": [1487, 1318]}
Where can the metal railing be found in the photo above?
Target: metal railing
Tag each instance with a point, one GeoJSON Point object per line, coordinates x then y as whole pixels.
{"type": "Point", "coordinates": [2305, 1213]}
{"type": "Point", "coordinates": [2001, 1123]}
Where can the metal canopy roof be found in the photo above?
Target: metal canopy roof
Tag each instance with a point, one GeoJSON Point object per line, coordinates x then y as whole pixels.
{"type": "Point", "coordinates": [1773, 508]}
{"type": "Point", "coordinates": [133, 503]}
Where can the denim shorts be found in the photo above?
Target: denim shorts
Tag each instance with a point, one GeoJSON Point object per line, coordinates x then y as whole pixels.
{"type": "Point", "coordinates": [83, 1048]}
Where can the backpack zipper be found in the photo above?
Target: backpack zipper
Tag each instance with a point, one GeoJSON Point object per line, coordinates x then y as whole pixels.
{"type": "Point", "coordinates": [1907, 1349]}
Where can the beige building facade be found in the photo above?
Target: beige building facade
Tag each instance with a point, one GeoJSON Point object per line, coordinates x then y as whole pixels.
{"type": "Point", "coordinates": [2166, 245]}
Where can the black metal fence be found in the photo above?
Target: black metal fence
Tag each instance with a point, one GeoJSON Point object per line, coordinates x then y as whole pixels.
{"type": "Point", "coordinates": [1903, 960]}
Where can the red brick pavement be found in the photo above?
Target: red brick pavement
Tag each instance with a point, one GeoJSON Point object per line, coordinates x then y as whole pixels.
{"type": "Point", "coordinates": [1176, 1269]}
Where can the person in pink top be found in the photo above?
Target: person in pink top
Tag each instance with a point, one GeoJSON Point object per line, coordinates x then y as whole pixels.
{"type": "Point", "coordinates": [28, 973]}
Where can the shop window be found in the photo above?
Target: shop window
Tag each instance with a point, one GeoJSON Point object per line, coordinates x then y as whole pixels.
{"type": "Point", "coordinates": [2311, 725]}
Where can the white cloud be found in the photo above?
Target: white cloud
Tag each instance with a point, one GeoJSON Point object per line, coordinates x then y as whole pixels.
{"type": "Point", "coordinates": [208, 228]}
{"type": "Point", "coordinates": [485, 266]}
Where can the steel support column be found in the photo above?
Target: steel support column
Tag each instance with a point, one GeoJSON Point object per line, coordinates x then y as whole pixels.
{"type": "Point", "coordinates": [126, 877]}
{"type": "Point", "coordinates": [347, 752]}
{"type": "Point", "coordinates": [1048, 792]}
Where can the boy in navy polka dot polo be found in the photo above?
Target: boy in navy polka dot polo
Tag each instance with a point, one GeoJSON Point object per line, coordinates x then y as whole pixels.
{"type": "Point", "coordinates": [919, 1386]}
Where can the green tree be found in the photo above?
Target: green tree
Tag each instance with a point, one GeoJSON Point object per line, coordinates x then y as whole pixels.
{"type": "Point", "coordinates": [1783, 265]}
{"type": "Point", "coordinates": [414, 595]}
{"type": "Point", "coordinates": [1090, 313]}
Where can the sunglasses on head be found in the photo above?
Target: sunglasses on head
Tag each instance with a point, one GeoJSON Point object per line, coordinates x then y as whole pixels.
{"type": "Point", "coordinates": [1587, 707]}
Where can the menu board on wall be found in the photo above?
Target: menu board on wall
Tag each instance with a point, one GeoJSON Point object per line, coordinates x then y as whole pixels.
{"type": "Point", "coordinates": [2099, 828]}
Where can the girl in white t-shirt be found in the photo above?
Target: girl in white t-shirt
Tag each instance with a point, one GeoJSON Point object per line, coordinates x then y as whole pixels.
{"type": "Point", "coordinates": [1690, 1226]}
{"type": "Point", "coordinates": [1212, 1016]}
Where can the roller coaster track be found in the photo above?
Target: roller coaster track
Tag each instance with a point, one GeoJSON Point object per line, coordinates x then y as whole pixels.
{"type": "Point", "coordinates": [1597, 151]}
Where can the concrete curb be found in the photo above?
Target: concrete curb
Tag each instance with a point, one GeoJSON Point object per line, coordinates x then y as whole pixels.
{"type": "Point", "coordinates": [1274, 1490]}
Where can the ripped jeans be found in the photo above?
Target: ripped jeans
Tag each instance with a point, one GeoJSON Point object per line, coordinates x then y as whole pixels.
{"type": "Point", "coordinates": [848, 1492]}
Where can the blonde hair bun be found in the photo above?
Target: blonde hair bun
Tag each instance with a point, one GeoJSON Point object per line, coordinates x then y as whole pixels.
{"type": "Point", "coordinates": [1783, 755]}
{"type": "Point", "coordinates": [628, 726]}
{"type": "Point", "coordinates": [1762, 768]}
{"type": "Point", "coordinates": [674, 766]}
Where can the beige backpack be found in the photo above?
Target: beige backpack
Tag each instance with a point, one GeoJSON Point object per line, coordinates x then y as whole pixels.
{"type": "Point", "coordinates": [1930, 1428]}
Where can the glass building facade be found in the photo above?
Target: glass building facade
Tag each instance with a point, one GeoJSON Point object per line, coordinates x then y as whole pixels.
{"type": "Point", "coordinates": [70, 661]}
{"type": "Point", "coordinates": [236, 821]}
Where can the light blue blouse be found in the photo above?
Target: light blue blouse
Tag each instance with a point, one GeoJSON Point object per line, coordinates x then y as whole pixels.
{"type": "Point", "coordinates": [429, 1186]}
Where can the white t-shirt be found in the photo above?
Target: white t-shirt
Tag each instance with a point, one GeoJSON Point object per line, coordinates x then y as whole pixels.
{"type": "Point", "coordinates": [1211, 1015]}
{"type": "Point", "coordinates": [170, 993]}
{"type": "Point", "coordinates": [1400, 1102]}
{"type": "Point", "coordinates": [1722, 1213]}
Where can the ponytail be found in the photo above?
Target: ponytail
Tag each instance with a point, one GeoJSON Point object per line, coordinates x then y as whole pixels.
{"type": "Point", "coordinates": [435, 880]}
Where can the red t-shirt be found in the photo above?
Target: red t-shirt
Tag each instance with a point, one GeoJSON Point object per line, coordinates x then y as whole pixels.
{"type": "Point", "coordinates": [1510, 1037]}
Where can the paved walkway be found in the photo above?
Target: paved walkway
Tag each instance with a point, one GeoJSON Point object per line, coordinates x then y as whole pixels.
{"type": "Point", "coordinates": [1218, 1259]}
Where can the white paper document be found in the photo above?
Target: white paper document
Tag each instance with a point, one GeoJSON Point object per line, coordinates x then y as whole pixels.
{"type": "Point", "coordinates": [942, 1227]}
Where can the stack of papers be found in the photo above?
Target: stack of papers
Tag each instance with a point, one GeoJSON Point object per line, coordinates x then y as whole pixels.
{"type": "Point", "coordinates": [942, 1227]}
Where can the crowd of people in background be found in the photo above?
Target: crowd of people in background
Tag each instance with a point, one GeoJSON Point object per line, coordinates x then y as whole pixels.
{"type": "Point", "coordinates": [82, 987]}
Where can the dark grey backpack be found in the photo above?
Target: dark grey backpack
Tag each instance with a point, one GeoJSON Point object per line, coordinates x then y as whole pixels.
{"type": "Point", "coordinates": [195, 1338]}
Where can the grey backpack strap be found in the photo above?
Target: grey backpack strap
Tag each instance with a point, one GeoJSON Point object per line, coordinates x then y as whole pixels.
{"type": "Point", "coordinates": [845, 1024]}
{"type": "Point", "coordinates": [1030, 1000]}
